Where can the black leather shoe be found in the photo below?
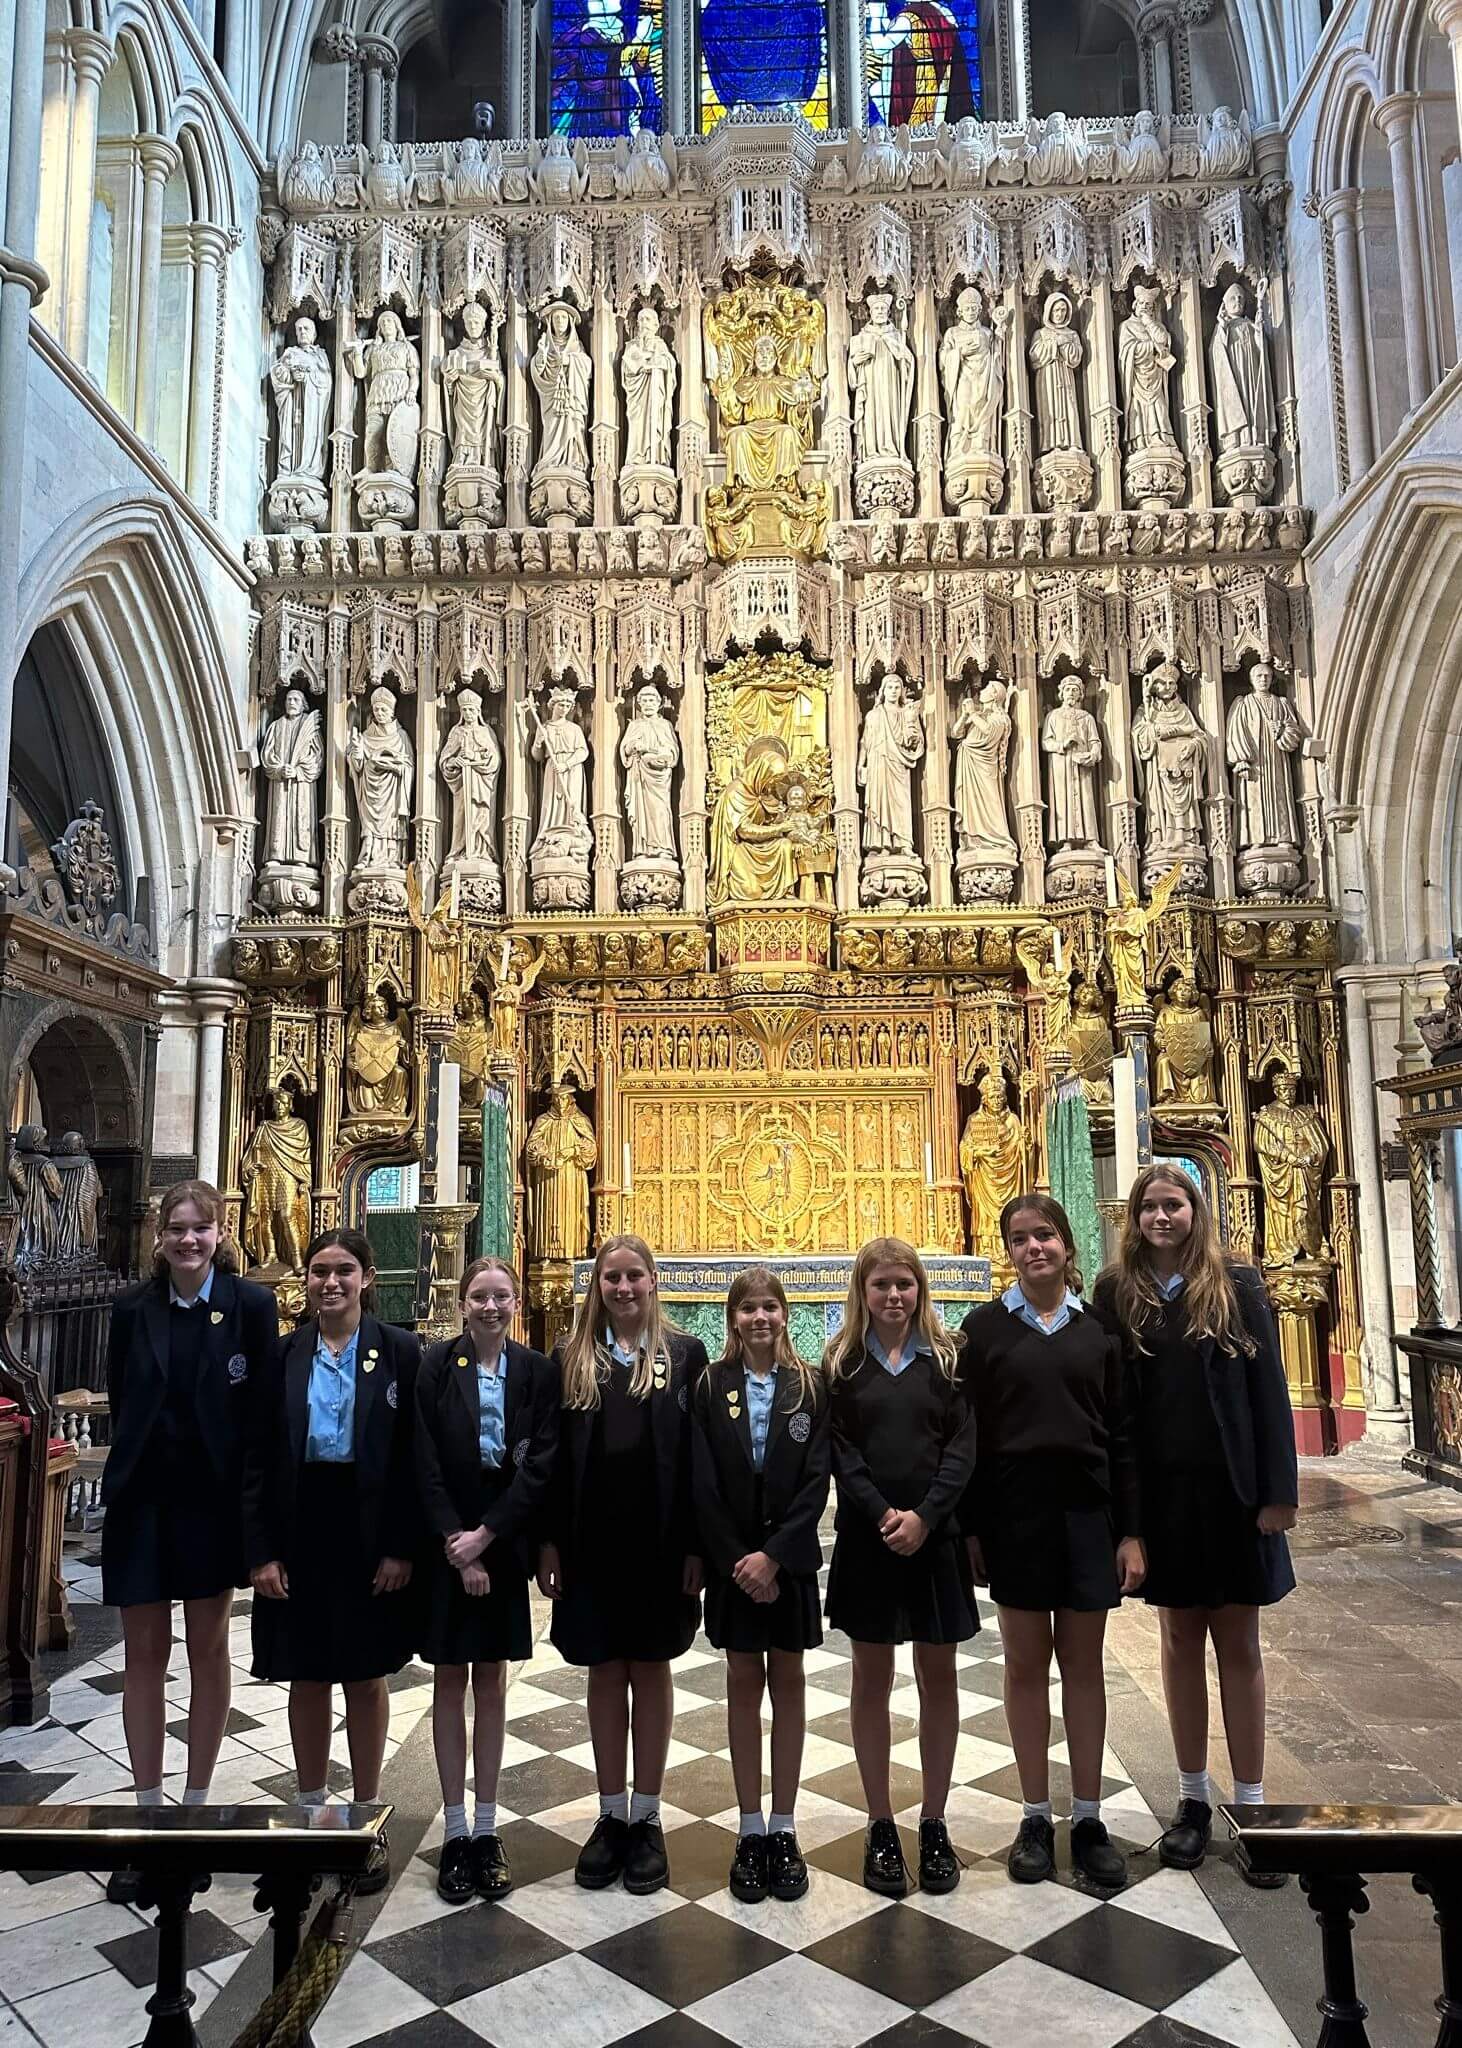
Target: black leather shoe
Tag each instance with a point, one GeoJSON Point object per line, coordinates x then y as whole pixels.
{"type": "Point", "coordinates": [1032, 1857]}
{"type": "Point", "coordinates": [646, 1866]}
{"type": "Point", "coordinates": [884, 1868]}
{"type": "Point", "coordinates": [786, 1871]}
{"type": "Point", "coordinates": [749, 1869]}
{"type": "Point", "coordinates": [454, 1872]}
{"type": "Point", "coordinates": [1185, 1843]}
{"type": "Point", "coordinates": [1093, 1855]}
{"type": "Point", "coordinates": [492, 1874]}
{"type": "Point", "coordinates": [377, 1873]}
{"type": "Point", "coordinates": [938, 1864]}
{"type": "Point", "coordinates": [601, 1860]}
{"type": "Point", "coordinates": [123, 1887]}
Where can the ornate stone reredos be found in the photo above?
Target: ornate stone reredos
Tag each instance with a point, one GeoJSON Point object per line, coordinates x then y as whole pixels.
{"type": "Point", "coordinates": [83, 857]}
{"type": "Point", "coordinates": [759, 163]}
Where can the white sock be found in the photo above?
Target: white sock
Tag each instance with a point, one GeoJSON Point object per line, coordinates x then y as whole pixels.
{"type": "Point", "coordinates": [1195, 1785]}
{"type": "Point", "coordinates": [1248, 1795]}
{"type": "Point", "coordinates": [614, 1805]}
{"type": "Point", "coordinates": [644, 1806]}
{"type": "Point", "coordinates": [454, 1823]}
{"type": "Point", "coordinates": [753, 1824]}
{"type": "Point", "coordinates": [1036, 1809]}
{"type": "Point", "coordinates": [484, 1819]}
{"type": "Point", "coordinates": [312, 1798]}
{"type": "Point", "coordinates": [149, 1795]}
{"type": "Point", "coordinates": [1085, 1809]}
{"type": "Point", "coordinates": [781, 1824]}
{"type": "Point", "coordinates": [195, 1795]}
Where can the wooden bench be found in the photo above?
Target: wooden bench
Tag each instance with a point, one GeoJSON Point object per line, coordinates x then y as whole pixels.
{"type": "Point", "coordinates": [1332, 1850]}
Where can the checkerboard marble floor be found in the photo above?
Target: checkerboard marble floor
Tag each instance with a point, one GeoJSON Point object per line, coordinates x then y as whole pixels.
{"type": "Point", "coordinates": [991, 1963]}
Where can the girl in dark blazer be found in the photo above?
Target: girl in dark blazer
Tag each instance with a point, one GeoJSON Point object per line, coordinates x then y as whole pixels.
{"type": "Point", "coordinates": [620, 1562]}
{"type": "Point", "coordinates": [903, 1447]}
{"type": "Point", "coordinates": [187, 1350]}
{"type": "Point", "coordinates": [760, 1452]}
{"type": "Point", "coordinates": [486, 1433]}
{"type": "Point", "coordinates": [331, 1519]}
{"type": "Point", "coordinates": [1052, 1520]}
{"type": "Point", "coordinates": [1220, 1481]}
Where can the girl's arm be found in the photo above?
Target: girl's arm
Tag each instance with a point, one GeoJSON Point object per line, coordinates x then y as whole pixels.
{"type": "Point", "coordinates": [119, 1340]}
{"type": "Point", "coordinates": [692, 1369]}
{"type": "Point", "coordinates": [261, 1447]}
{"type": "Point", "coordinates": [716, 1533]}
{"type": "Point", "coordinates": [798, 1526]}
{"type": "Point", "coordinates": [855, 1481]}
{"type": "Point", "coordinates": [1276, 1466]}
{"type": "Point", "coordinates": [431, 1483]}
{"type": "Point", "coordinates": [1122, 1440]}
{"type": "Point", "coordinates": [956, 1463]}
{"type": "Point", "coordinates": [520, 1508]}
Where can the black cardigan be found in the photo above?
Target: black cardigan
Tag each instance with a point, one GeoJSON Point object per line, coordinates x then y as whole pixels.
{"type": "Point", "coordinates": [738, 1509]}
{"type": "Point", "coordinates": [563, 1522]}
{"type": "Point", "coordinates": [448, 1455]}
{"type": "Point", "coordinates": [1248, 1392]}
{"type": "Point", "coordinates": [928, 1462]}
{"type": "Point", "coordinates": [240, 1330]}
{"type": "Point", "coordinates": [386, 1362]}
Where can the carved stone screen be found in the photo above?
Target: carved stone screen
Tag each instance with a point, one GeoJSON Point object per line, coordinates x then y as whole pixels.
{"type": "Point", "coordinates": [922, 60]}
{"type": "Point", "coordinates": [608, 67]}
{"type": "Point", "coordinates": [763, 53]}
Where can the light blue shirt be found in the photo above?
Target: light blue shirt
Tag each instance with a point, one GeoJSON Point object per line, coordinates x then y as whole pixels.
{"type": "Point", "coordinates": [331, 1437]}
{"type": "Point", "coordinates": [761, 1391]}
{"type": "Point", "coordinates": [1169, 1287]}
{"type": "Point", "coordinates": [911, 1351]}
{"type": "Point", "coordinates": [205, 1292]}
{"type": "Point", "coordinates": [628, 1358]}
{"type": "Point", "coordinates": [492, 1435]}
{"type": "Point", "coordinates": [1014, 1299]}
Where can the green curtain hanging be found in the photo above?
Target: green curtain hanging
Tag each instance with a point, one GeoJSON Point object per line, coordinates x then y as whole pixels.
{"type": "Point", "coordinates": [1073, 1174]}
{"type": "Point", "coordinates": [496, 1237]}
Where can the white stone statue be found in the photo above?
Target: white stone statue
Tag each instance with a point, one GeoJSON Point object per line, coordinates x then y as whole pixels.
{"type": "Point", "coordinates": [381, 760]}
{"type": "Point", "coordinates": [987, 855]}
{"type": "Point", "coordinates": [1172, 754]}
{"type": "Point", "coordinates": [387, 180]}
{"type": "Point", "coordinates": [303, 385]}
{"type": "Point", "coordinates": [1243, 400]}
{"type": "Point", "coordinates": [1055, 356]}
{"type": "Point", "coordinates": [889, 750]}
{"type": "Point", "coordinates": [972, 377]}
{"type": "Point", "coordinates": [971, 153]}
{"type": "Point", "coordinates": [476, 173]}
{"type": "Point", "coordinates": [556, 177]}
{"type": "Point", "coordinates": [391, 367]}
{"type": "Point", "coordinates": [1225, 146]}
{"type": "Point", "coordinates": [1058, 152]}
{"type": "Point", "coordinates": [885, 161]}
{"type": "Point", "coordinates": [1264, 737]}
{"type": "Point", "coordinates": [1071, 740]}
{"type": "Point", "coordinates": [292, 757]}
{"type": "Point", "coordinates": [648, 372]}
{"type": "Point", "coordinates": [561, 373]}
{"type": "Point", "coordinates": [559, 855]}
{"type": "Point", "coordinates": [471, 762]}
{"type": "Point", "coordinates": [881, 381]}
{"type": "Point", "coordinates": [644, 173]}
{"type": "Point", "coordinates": [649, 753]}
{"type": "Point", "coordinates": [1144, 358]}
{"type": "Point", "coordinates": [472, 388]}
{"type": "Point", "coordinates": [307, 179]}
{"type": "Point", "coordinates": [1141, 155]}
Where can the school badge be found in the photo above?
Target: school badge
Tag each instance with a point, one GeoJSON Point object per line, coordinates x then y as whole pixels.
{"type": "Point", "coordinates": [392, 1397]}
{"type": "Point", "coordinates": [520, 1450]}
{"type": "Point", "coordinates": [684, 1402]}
{"type": "Point", "coordinates": [799, 1426]}
{"type": "Point", "coordinates": [238, 1368]}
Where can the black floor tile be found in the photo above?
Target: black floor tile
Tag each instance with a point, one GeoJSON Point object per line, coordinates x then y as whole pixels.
{"type": "Point", "coordinates": [838, 1727]}
{"type": "Point", "coordinates": [33, 1788]}
{"type": "Point", "coordinates": [675, 2030]}
{"type": "Point", "coordinates": [912, 1957]}
{"type": "Point", "coordinates": [1132, 1956]}
{"type": "Point", "coordinates": [570, 1683]}
{"type": "Point", "coordinates": [542, 1782]}
{"type": "Point", "coordinates": [110, 1682]}
{"type": "Point", "coordinates": [918, 2031]}
{"type": "Point", "coordinates": [285, 1786]}
{"type": "Point", "coordinates": [559, 1727]}
{"type": "Point", "coordinates": [1166, 2033]}
{"type": "Point", "coordinates": [703, 1727]}
{"type": "Point", "coordinates": [988, 1679]}
{"type": "Point", "coordinates": [432, 2030]}
{"type": "Point", "coordinates": [682, 1956]}
{"type": "Point", "coordinates": [703, 1786]}
{"type": "Point", "coordinates": [466, 1952]}
{"type": "Point", "coordinates": [209, 1941]}
{"type": "Point", "coordinates": [535, 1852]}
{"type": "Point", "coordinates": [845, 1785]}
{"type": "Point", "coordinates": [237, 1724]}
{"type": "Point", "coordinates": [709, 1680]}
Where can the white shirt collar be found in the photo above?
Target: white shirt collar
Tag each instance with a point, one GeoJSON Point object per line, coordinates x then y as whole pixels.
{"type": "Point", "coordinates": [205, 1292]}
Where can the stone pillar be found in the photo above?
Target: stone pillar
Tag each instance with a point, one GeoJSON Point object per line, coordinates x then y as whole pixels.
{"type": "Point", "coordinates": [158, 159]}
{"type": "Point", "coordinates": [431, 461]}
{"type": "Point", "coordinates": [692, 728]}
{"type": "Point", "coordinates": [837, 418]}
{"type": "Point", "coordinates": [517, 74]}
{"type": "Point", "coordinates": [928, 417]}
{"type": "Point", "coordinates": [342, 432]}
{"type": "Point", "coordinates": [604, 764]}
{"type": "Point", "coordinates": [842, 738]}
{"type": "Point", "coordinates": [90, 57]}
{"type": "Point", "coordinates": [1025, 755]}
{"type": "Point", "coordinates": [212, 1000]}
{"type": "Point", "coordinates": [1396, 119]}
{"type": "Point", "coordinates": [1155, 41]}
{"type": "Point", "coordinates": [378, 64]}
{"type": "Point", "coordinates": [434, 717]}
{"type": "Point", "coordinates": [1447, 14]}
{"type": "Point", "coordinates": [694, 436]}
{"type": "Point", "coordinates": [1385, 1414]}
{"type": "Point", "coordinates": [516, 819]}
{"type": "Point", "coordinates": [210, 253]}
{"type": "Point", "coordinates": [1339, 211]}
{"type": "Point", "coordinates": [679, 47]}
{"type": "Point", "coordinates": [1020, 61]}
{"type": "Point", "coordinates": [1103, 412]}
{"type": "Point", "coordinates": [1019, 423]}
{"type": "Point", "coordinates": [518, 411]}
{"type": "Point", "coordinates": [938, 802]}
{"type": "Point", "coordinates": [236, 47]}
{"type": "Point", "coordinates": [1193, 371]}
{"type": "Point", "coordinates": [604, 350]}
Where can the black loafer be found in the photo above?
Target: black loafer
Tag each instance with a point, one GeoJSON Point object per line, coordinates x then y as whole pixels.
{"type": "Point", "coordinates": [1185, 1843]}
{"type": "Point", "coordinates": [454, 1872]}
{"type": "Point", "coordinates": [884, 1868]}
{"type": "Point", "coordinates": [646, 1866]}
{"type": "Point", "coordinates": [938, 1864]}
{"type": "Point", "coordinates": [492, 1874]}
{"type": "Point", "coordinates": [786, 1871]}
{"type": "Point", "coordinates": [1094, 1856]}
{"type": "Point", "coordinates": [377, 1873]}
{"type": "Point", "coordinates": [749, 1869]}
{"type": "Point", "coordinates": [601, 1860]}
{"type": "Point", "coordinates": [1032, 1857]}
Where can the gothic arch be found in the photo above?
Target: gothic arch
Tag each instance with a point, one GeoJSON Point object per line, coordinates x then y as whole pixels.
{"type": "Point", "coordinates": [151, 67]}
{"type": "Point", "coordinates": [194, 127]}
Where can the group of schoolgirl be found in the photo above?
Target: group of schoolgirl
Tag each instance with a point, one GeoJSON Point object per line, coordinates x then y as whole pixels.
{"type": "Point", "coordinates": [386, 1503]}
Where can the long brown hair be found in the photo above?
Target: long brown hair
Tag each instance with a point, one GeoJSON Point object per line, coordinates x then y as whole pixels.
{"type": "Point", "coordinates": [1050, 1211]}
{"type": "Point", "coordinates": [850, 1341]}
{"type": "Point", "coordinates": [803, 1379]}
{"type": "Point", "coordinates": [211, 1207]}
{"type": "Point", "coordinates": [1209, 1297]}
{"type": "Point", "coordinates": [584, 1360]}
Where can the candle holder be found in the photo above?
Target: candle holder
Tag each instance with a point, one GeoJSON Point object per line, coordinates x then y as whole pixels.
{"type": "Point", "coordinates": [445, 1224]}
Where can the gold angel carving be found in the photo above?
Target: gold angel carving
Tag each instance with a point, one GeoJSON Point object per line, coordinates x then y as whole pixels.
{"type": "Point", "coordinates": [766, 357]}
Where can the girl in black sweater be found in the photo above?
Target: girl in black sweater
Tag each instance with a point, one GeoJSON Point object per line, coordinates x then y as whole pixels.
{"type": "Point", "coordinates": [903, 1447]}
{"type": "Point", "coordinates": [1054, 1489]}
{"type": "Point", "coordinates": [1220, 1481]}
{"type": "Point", "coordinates": [760, 1451]}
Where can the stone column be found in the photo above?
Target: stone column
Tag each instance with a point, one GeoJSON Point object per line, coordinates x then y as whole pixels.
{"type": "Point", "coordinates": [517, 74]}
{"type": "Point", "coordinates": [517, 823]}
{"type": "Point", "coordinates": [1193, 372]}
{"type": "Point", "coordinates": [938, 803]}
{"type": "Point", "coordinates": [692, 727]}
{"type": "Point", "coordinates": [1103, 412]}
{"type": "Point", "coordinates": [90, 57]}
{"type": "Point", "coordinates": [1155, 40]}
{"type": "Point", "coordinates": [212, 1000]}
{"type": "Point", "coordinates": [679, 48]}
{"type": "Point", "coordinates": [235, 47]}
{"type": "Point", "coordinates": [431, 460]}
{"type": "Point", "coordinates": [928, 416]}
{"type": "Point", "coordinates": [604, 761]}
{"type": "Point", "coordinates": [158, 159]}
{"type": "Point", "coordinates": [518, 410]}
{"type": "Point", "coordinates": [604, 349]}
{"type": "Point", "coordinates": [1025, 755]}
{"type": "Point", "coordinates": [1339, 211]}
{"type": "Point", "coordinates": [210, 253]}
{"type": "Point", "coordinates": [694, 436]}
{"type": "Point", "coordinates": [1019, 424]}
{"type": "Point", "coordinates": [335, 813]}
{"type": "Point", "coordinates": [435, 716]}
{"type": "Point", "coordinates": [837, 429]}
{"type": "Point", "coordinates": [378, 63]}
{"type": "Point", "coordinates": [1396, 119]}
{"type": "Point", "coordinates": [1447, 14]}
{"type": "Point", "coordinates": [1020, 60]}
{"type": "Point", "coordinates": [842, 735]}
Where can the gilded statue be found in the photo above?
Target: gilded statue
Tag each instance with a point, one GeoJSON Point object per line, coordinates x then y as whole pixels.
{"type": "Point", "coordinates": [37, 1187]}
{"type": "Point", "coordinates": [807, 814]}
{"type": "Point", "coordinates": [275, 1174]}
{"type": "Point", "coordinates": [765, 353]}
{"type": "Point", "coordinates": [1128, 924]}
{"type": "Point", "coordinates": [513, 970]}
{"type": "Point", "coordinates": [376, 1072]}
{"type": "Point", "coordinates": [1036, 950]}
{"type": "Point", "coordinates": [992, 1164]}
{"type": "Point", "coordinates": [1184, 1040]}
{"type": "Point", "coordinates": [1292, 1145]}
{"type": "Point", "coordinates": [557, 1154]}
{"type": "Point", "coordinates": [470, 1048]}
{"type": "Point", "coordinates": [1090, 1044]}
{"type": "Point", "coordinates": [753, 859]}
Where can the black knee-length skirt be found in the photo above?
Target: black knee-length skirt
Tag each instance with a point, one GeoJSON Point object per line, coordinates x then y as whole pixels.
{"type": "Point", "coordinates": [332, 1629]}
{"type": "Point", "coordinates": [793, 1621]}
{"type": "Point", "coordinates": [457, 1627]}
{"type": "Point", "coordinates": [1048, 1543]}
{"type": "Point", "coordinates": [1203, 1544]}
{"type": "Point", "coordinates": [612, 1609]}
{"type": "Point", "coordinates": [172, 1536]}
{"type": "Point", "coordinates": [874, 1596]}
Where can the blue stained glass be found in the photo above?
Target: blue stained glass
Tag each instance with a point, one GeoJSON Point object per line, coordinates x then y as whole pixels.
{"type": "Point", "coordinates": [922, 60]}
{"type": "Point", "coordinates": [608, 67]}
{"type": "Point", "coordinates": [763, 53]}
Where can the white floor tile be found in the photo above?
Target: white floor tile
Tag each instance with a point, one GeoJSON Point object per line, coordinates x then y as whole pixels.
{"type": "Point", "coordinates": [61, 1948]}
{"type": "Point", "coordinates": [21, 1904]}
{"type": "Point", "coordinates": [1011, 1915]}
{"type": "Point", "coordinates": [796, 2003]}
{"type": "Point", "coordinates": [559, 1907]}
{"type": "Point", "coordinates": [367, 2001]}
{"type": "Point", "coordinates": [1174, 1898]}
{"type": "Point", "coordinates": [998, 2009]}
{"type": "Point", "coordinates": [571, 2001]}
{"type": "Point", "coordinates": [830, 1905]}
{"type": "Point", "coordinates": [1234, 2007]}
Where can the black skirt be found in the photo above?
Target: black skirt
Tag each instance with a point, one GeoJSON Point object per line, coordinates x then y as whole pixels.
{"type": "Point", "coordinates": [793, 1621]}
{"type": "Point", "coordinates": [874, 1596]}
{"type": "Point", "coordinates": [170, 1536]}
{"type": "Point", "coordinates": [464, 1628]}
{"type": "Point", "coordinates": [332, 1629]}
{"type": "Point", "coordinates": [1204, 1548]}
{"type": "Point", "coordinates": [1047, 1538]}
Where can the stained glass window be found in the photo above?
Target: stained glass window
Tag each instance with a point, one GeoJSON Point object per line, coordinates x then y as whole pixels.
{"type": "Point", "coordinates": [608, 66]}
{"type": "Point", "coordinates": [765, 53]}
{"type": "Point", "coordinates": [921, 60]}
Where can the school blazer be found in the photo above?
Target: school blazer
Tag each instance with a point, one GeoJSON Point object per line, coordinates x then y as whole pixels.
{"type": "Point", "coordinates": [241, 1327]}
{"type": "Point", "coordinates": [1249, 1395]}
{"type": "Point", "coordinates": [670, 1413]}
{"type": "Point", "coordinates": [448, 1454]}
{"type": "Point", "coordinates": [738, 1509]}
{"type": "Point", "coordinates": [385, 1412]}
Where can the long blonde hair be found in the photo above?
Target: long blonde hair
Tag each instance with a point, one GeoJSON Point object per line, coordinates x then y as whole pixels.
{"type": "Point", "coordinates": [585, 1362]}
{"type": "Point", "coordinates": [849, 1343]}
{"type": "Point", "coordinates": [1210, 1300]}
{"type": "Point", "coordinates": [803, 1380]}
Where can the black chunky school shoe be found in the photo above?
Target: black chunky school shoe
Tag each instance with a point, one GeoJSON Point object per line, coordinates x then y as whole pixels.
{"type": "Point", "coordinates": [938, 1865]}
{"type": "Point", "coordinates": [1032, 1857]}
{"type": "Point", "coordinates": [646, 1866]}
{"type": "Point", "coordinates": [786, 1871]}
{"type": "Point", "coordinates": [492, 1874]}
{"type": "Point", "coordinates": [884, 1868]}
{"type": "Point", "coordinates": [1093, 1854]}
{"type": "Point", "coordinates": [1185, 1843]}
{"type": "Point", "coordinates": [749, 1870]}
{"type": "Point", "coordinates": [601, 1860]}
{"type": "Point", "coordinates": [454, 1872]}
